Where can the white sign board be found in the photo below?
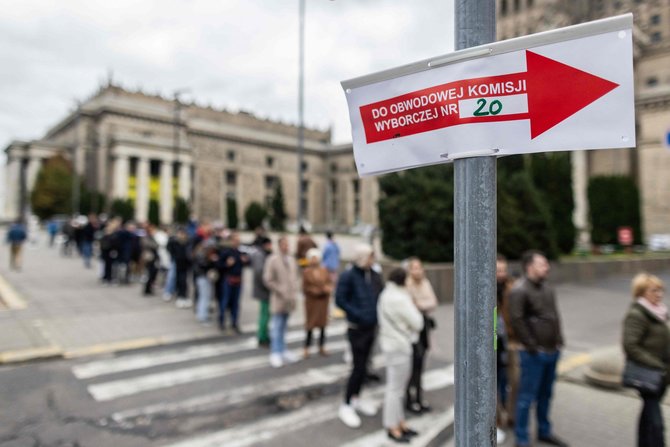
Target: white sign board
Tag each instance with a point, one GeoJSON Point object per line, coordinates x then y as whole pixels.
{"type": "Point", "coordinates": [566, 89]}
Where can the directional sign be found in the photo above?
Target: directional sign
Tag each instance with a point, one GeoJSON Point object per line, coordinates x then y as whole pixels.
{"type": "Point", "coordinates": [562, 90]}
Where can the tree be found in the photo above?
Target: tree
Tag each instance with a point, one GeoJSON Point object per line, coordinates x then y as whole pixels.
{"type": "Point", "coordinates": [181, 211]}
{"type": "Point", "coordinates": [231, 210]}
{"type": "Point", "coordinates": [91, 201]}
{"type": "Point", "coordinates": [52, 193]}
{"type": "Point", "coordinates": [552, 176]}
{"type": "Point", "coordinates": [524, 219]}
{"type": "Point", "coordinates": [254, 215]}
{"type": "Point", "coordinates": [124, 208]}
{"type": "Point", "coordinates": [154, 212]}
{"type": "Point", "coordinates": [614, 201]}
{"type": "Point", "coordinates": [416, 213]}
{"type": "Point", "coordinates": [277, 211]}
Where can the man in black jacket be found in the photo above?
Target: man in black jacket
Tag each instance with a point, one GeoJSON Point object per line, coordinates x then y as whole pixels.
{"type": "Point", "coordinates": [357, 292]}
{"type": "Point", "coordinates": [536, 323]}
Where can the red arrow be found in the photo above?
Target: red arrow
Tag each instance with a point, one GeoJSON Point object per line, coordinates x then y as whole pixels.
{"type": "Point", "coordinates": [555, 91]}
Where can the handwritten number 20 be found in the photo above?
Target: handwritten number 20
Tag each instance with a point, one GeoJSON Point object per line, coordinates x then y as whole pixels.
{"type": "Point", "coordinates": [494, 108]}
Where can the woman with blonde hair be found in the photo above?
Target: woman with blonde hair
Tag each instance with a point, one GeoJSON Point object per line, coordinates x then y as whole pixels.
{"type": "Point", "coordinates": [424, 299]}
{"type": "Point", "coordinates": [646, 342]}
{"type": "Point", "coordinates": [317, 287]}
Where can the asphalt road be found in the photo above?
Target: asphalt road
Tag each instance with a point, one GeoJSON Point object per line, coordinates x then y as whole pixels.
{"type": "Point", "coordinates": [194, 392]}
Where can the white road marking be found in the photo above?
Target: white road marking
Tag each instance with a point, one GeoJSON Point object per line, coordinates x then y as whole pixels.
{"type": "Point", "coordinates": [271, 427]}
{"type": "Point", "coordinates": [142, 361]}
{"type": "Point", "coordinates": [125, 387]}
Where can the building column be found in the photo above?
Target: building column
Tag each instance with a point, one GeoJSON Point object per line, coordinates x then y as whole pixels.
{"type": "Point", "coordinates": [34, 165]}
{"type": "Point", "coordinates": [12, 187]}
{"type": "Point", "coordinates": [166, 199]}
{"type": "Point", "coordinates": [142, 190]}
{"type": "Point", "coordinates": [121, 170]}
{"type": "Point", "coordinates": [185, 181]}
{"type": "Point", "coordinates": [580, 217]}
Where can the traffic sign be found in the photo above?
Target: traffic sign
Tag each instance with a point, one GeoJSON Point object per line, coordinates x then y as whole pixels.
{"type": "Point", "coordinates": [566, 89]}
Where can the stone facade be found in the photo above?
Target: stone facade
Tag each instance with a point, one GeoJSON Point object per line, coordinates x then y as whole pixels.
{"type": "Point", "coordinates": [649, 160]}
{"type": "Point", "coordinates": [131, 145]}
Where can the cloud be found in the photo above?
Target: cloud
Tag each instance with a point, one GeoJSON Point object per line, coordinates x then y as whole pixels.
{"type": "Point", "coordinates": [233, 53]}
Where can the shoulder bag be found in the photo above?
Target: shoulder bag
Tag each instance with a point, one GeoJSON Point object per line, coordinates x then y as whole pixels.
{"type": "Point", "coordinates": [642, 378]}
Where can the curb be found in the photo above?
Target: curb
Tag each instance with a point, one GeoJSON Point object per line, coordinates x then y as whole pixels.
{"type": "Point", "coordinates": [8, 295]}
{"type": "Point", "coordinates": [55, 352]}
{"type": "Point", "coordinates": [30, 354]}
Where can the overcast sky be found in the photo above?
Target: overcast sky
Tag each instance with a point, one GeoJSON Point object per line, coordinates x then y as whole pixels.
{"type": "Point", "coordinates": [238, 54]}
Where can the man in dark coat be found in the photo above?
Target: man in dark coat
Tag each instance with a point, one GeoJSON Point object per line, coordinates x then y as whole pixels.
{"type": "Point", "coordinates": [536, 323]}
{"type": "Point", "coordinates": [231, 263]}
{"type": "Point", "coordinates": [357, 292]}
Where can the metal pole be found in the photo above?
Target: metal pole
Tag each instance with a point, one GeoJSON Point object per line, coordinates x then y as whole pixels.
{"type": "Point", "coordinates": [301, 110]}
{"type": "Point", "coordinates": [474, 264]}
{"type": "Point", "coordinates": [75, 156]}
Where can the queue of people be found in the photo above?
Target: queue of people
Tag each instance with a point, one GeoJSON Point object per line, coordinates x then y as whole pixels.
{"type": "Point", "coordinates": [396, 315]}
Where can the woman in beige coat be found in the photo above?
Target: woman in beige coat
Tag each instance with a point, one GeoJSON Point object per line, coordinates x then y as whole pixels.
{"type": "Point", "coordinates": [317, 287]}
{"type": "Point", "coordinates": [280, 276]}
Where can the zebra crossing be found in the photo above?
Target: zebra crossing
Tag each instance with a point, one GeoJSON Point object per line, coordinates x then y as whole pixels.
{"type": "Point", "coordinates": [212, 380]}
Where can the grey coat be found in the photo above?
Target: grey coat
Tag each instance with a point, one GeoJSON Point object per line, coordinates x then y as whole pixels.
{"type": "Point", "coordinates": [258, 258]}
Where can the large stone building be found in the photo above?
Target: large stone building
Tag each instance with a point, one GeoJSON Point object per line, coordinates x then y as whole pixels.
{"type": "Point", "coordinates": [131, 145]}
{"type": "Point", "coordinates": [649, 162]}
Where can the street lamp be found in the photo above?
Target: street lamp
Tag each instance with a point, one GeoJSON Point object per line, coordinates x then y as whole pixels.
{"type": "Point", "coordinates": [301, 104]}
{"type": "Point", "coordinates": [75, 155]}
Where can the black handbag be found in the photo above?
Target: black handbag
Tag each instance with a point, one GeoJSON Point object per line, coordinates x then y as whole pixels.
{"type": "Point", "coordinates": [642, 378]}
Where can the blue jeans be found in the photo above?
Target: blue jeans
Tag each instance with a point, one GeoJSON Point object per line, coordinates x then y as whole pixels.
{"type": "Point", "coordinates": [229, 298]}
{"type": "Point", "coordinates": [279, 323]}
{"type": "Point", "coordinates": [204, 296]}
{"type": "Point", "coordinates": [87, 252]}
{"type": "Point", "coordinates": [171, 279]}
{"type": "Point", "coordinates": [538, 373]}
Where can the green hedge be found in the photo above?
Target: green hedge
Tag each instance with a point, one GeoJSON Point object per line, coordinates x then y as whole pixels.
{"type": "Point", "coordinates": [614, 201]}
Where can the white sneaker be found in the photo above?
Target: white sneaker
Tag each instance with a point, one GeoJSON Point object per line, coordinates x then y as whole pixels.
{"type": "Point", "coordinates": [348, 416]}
{"type": "Point", "coordinates": [364, 407]}
{"type": "Point", "coordinates": [500, 436]}
{"type": "Point", "coordinates": [167, 297]}
{"type": "Point", "coordinates": [276, 360]}
{"type": "Point", "coordinates": [289, 357]}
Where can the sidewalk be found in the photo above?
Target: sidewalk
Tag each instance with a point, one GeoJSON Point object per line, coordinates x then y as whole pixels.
{"type": "Point", "coordinates": [67, 312]}
{"type": "Point", "coordinates": [55, 307]}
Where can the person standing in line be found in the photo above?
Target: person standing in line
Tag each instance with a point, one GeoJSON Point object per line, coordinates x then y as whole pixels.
{"type": "Point", "coordinates": [16, 237]}
{"type": "Point", "coordinates": [316, 287]}
{"type": "Point", "coordinates": [331, 257]}
{"type": "Point", "coordinates": [646, 341]}
{"type": "Point", "coordinates": [357, 292]}
{"type": "Point", "coordinates": [506, 401]}
{"type": "Point", "coordinates": [232, 262]}
{"type": "Point", "coordinates": [261, 292]}
{"type": "Point", "coordinates": [109, 249]}
{"type": "Point", "coordinates": [535, 319]}
{"type": "Point", "coordinates": [280, 276]}
{"type": "Point", "coordinates": [305, 242]}
{"type": "Point", "coordinates": [150, 259]}
{"type": "Point", "coordinates": [424, 299]}
{"type": "Point", "coordinates": [179, 249]}
{"type": "Point", "coordinates": [52, 229]}
{"type": "Point", "coordinates": [88, 232]}
{"type": "Point", "coordinates": [171, 275]}
{"type": "Point", "coordinates": [400, 322]}
{"type": "Point", "coordinates": [205, 259]}
{"type": "Point", "coordinates": [161, 237]}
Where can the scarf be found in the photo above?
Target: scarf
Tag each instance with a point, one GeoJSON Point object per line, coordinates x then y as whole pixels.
{"type": "Point", "coordinates": [660, 310]}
